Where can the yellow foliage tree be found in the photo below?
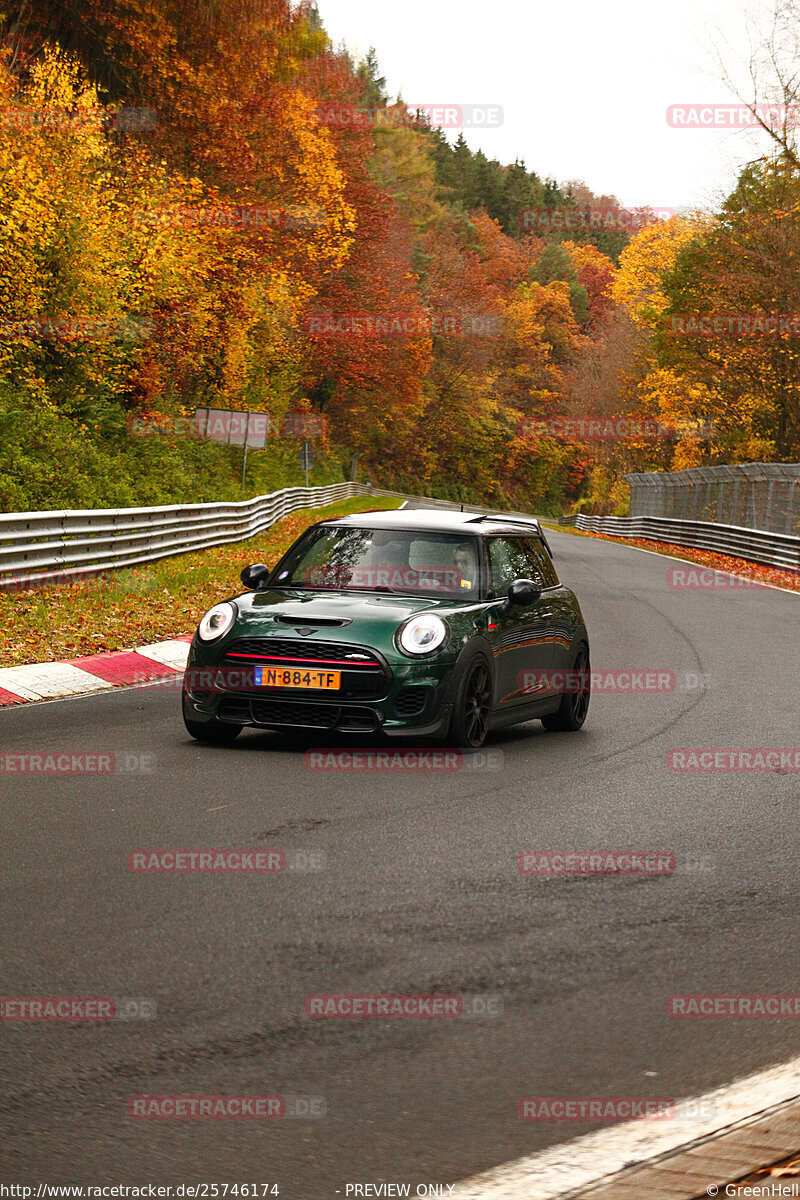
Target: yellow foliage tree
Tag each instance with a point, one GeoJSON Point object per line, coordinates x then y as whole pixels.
{"type": "Point", "coordinates": [643, 263]}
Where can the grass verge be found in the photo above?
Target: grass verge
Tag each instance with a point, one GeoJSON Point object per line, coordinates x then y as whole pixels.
{"type": "Point", "coordinates": [147, 604]}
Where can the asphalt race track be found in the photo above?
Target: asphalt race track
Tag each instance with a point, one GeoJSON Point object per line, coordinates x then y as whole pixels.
{"type": "Point", "coordinates": [419, 893]}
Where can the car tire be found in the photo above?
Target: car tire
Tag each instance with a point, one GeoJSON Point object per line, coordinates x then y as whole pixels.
{"type": "Point", "coordinates": [219, 733]}
{"type": "Point", "coordinates": [469, 722]}
{"type": "Point", "coordinates": [573, 710]}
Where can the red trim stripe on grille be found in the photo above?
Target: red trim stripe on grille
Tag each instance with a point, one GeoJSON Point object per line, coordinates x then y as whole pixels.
{"type": "Point", "coordinates": [334, 662]}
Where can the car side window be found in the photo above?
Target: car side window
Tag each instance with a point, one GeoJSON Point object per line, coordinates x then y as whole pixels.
{"type": "Point", "coordinates": [543, 571]}
{"type": "Point", "coordinates": [507, 562]}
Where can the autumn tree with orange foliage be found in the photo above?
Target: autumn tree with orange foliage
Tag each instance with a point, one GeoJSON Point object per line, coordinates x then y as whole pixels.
{"type": "Point", "coordinates": [287, 234]}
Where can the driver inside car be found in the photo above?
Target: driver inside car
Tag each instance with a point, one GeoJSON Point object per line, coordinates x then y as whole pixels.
{"type": "Point", "coordinates": [466, 567]}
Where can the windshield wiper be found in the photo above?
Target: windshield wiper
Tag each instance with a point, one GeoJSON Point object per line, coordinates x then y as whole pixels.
{"type": "Point", "coordinates": [308, 587]}
{"type": "Point", "coordinates": [305, 587]}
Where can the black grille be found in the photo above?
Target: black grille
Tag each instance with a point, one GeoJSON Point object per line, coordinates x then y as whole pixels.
{"type": "Point", "coordinates": [317, 716]}
{"type": "Point", "coordinates": [306, 716]}
{"type": "Point", "coordinates": [363, 677]}
{"type": "Point", "coordinates": [304, 650]}
{"type": "Point", "coordinates": [240, 710]}
{"type": "Point", "coordinates": [410, 701]}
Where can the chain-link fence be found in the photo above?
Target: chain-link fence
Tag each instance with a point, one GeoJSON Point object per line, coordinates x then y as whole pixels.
{"type": "Point", "coordinates": [751, 495]}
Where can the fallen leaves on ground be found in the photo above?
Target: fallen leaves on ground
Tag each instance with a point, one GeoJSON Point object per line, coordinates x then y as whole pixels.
{"type": "Point", "coordinates": [786, 1168]}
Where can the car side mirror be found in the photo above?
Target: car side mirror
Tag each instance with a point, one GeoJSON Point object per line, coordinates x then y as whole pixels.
{"type": "Point", "coordinates": [253, 577]}
{"type": "Point", "coordinates": [522, 593]}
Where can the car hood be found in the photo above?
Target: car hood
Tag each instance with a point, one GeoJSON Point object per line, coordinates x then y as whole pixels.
{"type": "Point", "coordinates": [362, 618]}
{"type": "Point", "coordinates": [352, 608]}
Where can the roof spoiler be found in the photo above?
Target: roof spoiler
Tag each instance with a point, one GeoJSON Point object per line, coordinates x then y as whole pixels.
{"type": "Point", "coordinates": [506, 518]}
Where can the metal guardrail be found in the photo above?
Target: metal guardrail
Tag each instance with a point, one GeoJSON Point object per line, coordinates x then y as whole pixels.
{"type": "Point", "coordinates": [37, 548]}
{"type": "Point", "coordinates": [58, 546]}
{"type": "Point", "coordinates": [755, 545]}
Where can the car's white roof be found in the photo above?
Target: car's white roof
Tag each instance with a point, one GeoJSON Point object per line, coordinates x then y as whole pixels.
{"type": "Point", "coordinates": [442, 520]}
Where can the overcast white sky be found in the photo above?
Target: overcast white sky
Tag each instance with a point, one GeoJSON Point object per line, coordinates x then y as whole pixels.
{"type": "Point", "coordinates": [584, 86]}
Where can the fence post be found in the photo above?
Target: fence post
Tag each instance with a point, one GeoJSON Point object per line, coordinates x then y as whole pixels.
{"type": "Point", "coordinates": [720, 503]}
{"type": "Point", "coordinates": [768, 514]}
{"type": "Point", "coordinates": [790, 506]}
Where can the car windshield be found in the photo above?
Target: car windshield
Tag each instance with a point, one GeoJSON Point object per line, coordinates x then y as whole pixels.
{"type": "Point", "coordinates": [412, 562]}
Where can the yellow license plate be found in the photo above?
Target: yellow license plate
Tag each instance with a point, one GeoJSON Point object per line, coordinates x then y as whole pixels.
{"type": "Point", "coordinates": [287, 677]}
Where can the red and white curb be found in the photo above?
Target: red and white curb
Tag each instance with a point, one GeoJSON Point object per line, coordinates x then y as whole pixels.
{"type": "Point", "coordinates": [96, 673]}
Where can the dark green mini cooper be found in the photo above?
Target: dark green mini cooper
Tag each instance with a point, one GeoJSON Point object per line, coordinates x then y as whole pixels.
{"type": "Point", "coordinates": [428, 623]}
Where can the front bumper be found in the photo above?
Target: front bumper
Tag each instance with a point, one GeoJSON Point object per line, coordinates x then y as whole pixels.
{"type": "Point", "coordinates": [416, 698]}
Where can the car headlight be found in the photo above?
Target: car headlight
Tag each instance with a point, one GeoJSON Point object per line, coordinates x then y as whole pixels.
{"type": "Point", "coordinates": [216, 623]}
{"type": "Point", "coordinates": [422, 635]}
